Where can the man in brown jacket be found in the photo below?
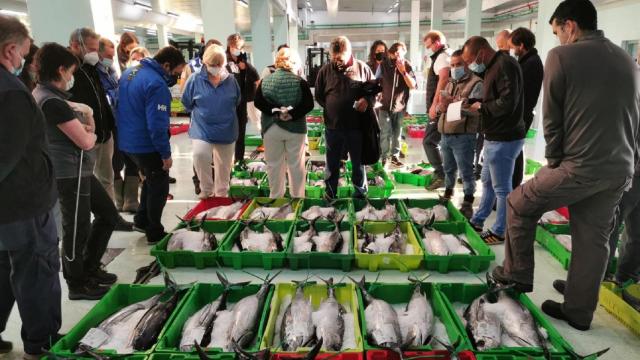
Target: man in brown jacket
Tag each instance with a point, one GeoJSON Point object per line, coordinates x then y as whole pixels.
{"type": "Point", "coordinates": [591, 122]}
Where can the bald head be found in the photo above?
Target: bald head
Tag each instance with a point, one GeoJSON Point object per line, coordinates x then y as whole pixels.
{"type": "Point", "coordinates": [502, 40]}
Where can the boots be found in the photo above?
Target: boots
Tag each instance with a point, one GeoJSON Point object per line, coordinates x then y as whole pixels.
{"type": "Point", "coordinates": [118, 189]}
{"type": "Point", "coordinates": [466, 208]}
{"type": "Point", "coordinates": [131, 185]}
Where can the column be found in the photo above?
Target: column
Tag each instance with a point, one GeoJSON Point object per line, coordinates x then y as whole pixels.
{"type": "Point", "coordinates": [437, 10]}
{"type": "Point", "coordinates": [293, 25]}
{"type": "Point", "coordinates": [56, 23]}
{"type": "Point", "coordinates": [159, 7]}
{"type": "Point", "coordinates": [280, 30]}
{"type": "Point", "coordinates": [414, 45]}
{"type": "Point", "coordinates": [260, 33]}
{"type": "Point", "coordinates": [218, 19]}
{"type": "Point", "coordinates": [473, 23]}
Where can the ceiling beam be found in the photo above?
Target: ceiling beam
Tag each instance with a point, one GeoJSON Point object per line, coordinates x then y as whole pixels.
{"type": "Point", "coordinates": [487, 5]}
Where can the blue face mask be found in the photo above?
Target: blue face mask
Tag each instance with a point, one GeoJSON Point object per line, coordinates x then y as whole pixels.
{"type": "Point", "coordinates": [457, 73]}
{"type": "Point", "coordinates": [18, 71]}
{"type": "Point", "coordinates": [477, 68]}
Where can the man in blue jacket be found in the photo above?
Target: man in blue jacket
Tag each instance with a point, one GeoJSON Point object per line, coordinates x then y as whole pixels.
{"type": "Point", "coordinates": [143, 120]}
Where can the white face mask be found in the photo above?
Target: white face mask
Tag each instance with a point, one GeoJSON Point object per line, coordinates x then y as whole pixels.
{"type": "Point", "coordinates": [236, 52]}
{"type": "Point", "coordinates": [214, 70]}
{"type": "Point", "coordinates": [69, 84]}
{"type": "Point", "coordinates": [91, 58]}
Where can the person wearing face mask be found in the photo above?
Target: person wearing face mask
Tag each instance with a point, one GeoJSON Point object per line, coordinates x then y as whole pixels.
{"type": "Point", "coordinates": [144, 109]}
{"type": "Point", "coordinates": [459, 134]}
{"type": "Point", "coordinates": [284, 132]}
{"type": "Point", "coordinates": [212, 96]}
{"type": "Point", "coordinates": [248, 78]}
{"type": "Point", "coordinates": [522, 44]}
{"type": "Point", "coordinates": [437, 79]}
{"type": "Point", "coordinates": [502, 40]}
{"type": "Point", "coordinates": [591, 131]}
{"type": "Point", "coordinates": [128, 41]}
{"type": "Point", "coordinates": [346, 113]}
{"type": "Point", "coordinates": [397, 81]}
{"type": "Point", "coordinates": [29, 257]}
{"type": "Point", "coordinates": [70, 130]}
{"type": "Point", "coordinates": [136, 55]}
{"type": "Point", "coordinates": [29, 73]}
{"type": "Point", "coordinates": [88, 89]}
{"type": "Point", "coordinates": [377, 53]}
{"type": "Point", "coordinates": [502, 126]}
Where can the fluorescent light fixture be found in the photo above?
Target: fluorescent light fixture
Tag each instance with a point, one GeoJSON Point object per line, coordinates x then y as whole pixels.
{"type": "Point", "coordinates": [130, 29]}
{"type": "Point", "coordinates": [243, 3]}
{"type": "Point", "coordinates": [142, 5]}
{"type": "Point", "coordinates": [12, 13]}
{"type": "Point", "coordinates": [311, 9]}
{"type": "Point", "coordinates": [172, 14]}
{"type": "Point", "coordinates": [309, 3]}
{"type": "Point", "coordinates": [389, 11]}
{"type": "Point", "coordinates": [396, 4]}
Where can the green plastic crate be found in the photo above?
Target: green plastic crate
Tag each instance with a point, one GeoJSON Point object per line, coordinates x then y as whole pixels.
{"type": "Point", "coordinates": [459, 262]}
{"type": "Point", "coordinates": [379, 204]}
{"type": "Point", "coordinates": [555, 248]}
{"type": "Point", "coordinates": [320, 260]}
{"type": "Point", "coordinates": [414, 179]}
{"type": "Point", "coordinates": [185, 356]}
{"type": "Point", "coordinates": [531, 133]}
{"type": "Point", "coordinates": [557, 228]}
{"type": "Point", "coordinates": [322, 145]}
{"type": "Point", "coordinates": [176, 106]}
{"type": "Point", "coordinates": [200, 260]}
{"type": "Point", "coordinates": [311, 192]}
{"type": "Point", "coordinates": [345, 294]}
{"type": "Point", "coordinates": [532, 167]}
{"type": "Point", "coordinates": [390, 261]}
{"type": "Point", "coordinates": [256, 203]}
{"type": "Point", "coordinates": [401, 294]}
{"type": "Point", "coordinates": [454, 214]}
{"type": "Point", "coordinates": [466, 293]}
{"type": "Point", "coordinates": [239, 191]}
{"type": "Point", "coordinates": [244, 259]}
{"type": "Point", "coordinates": [201, 295]}
{"type": "Point", "coordinates": [313, 142]}
{"type": "Point", "coordinates": [253, 140]}
{"type": "Point", "coordinates": [380, 191]}
{"type": "Point", "coordinates": [120, 296]}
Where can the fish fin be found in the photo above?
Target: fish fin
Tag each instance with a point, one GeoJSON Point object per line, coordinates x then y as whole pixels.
{"type": "Point", "coordinates": [311, 355]}
{"type": "Point", "coordinates": [279, 241]}
{"type": "Point", "coordinates": [408, 342]}
{"type": "Point", "coordinates": [201, 354]}
{"type": "Point", "coordinates": [465, 244]}
{"type": "Point", "coordinates": [169, 283]}
{"type": "Point", "coordinates": [451, 348]}
{"type": "Point", "coordinates": [575, 356]}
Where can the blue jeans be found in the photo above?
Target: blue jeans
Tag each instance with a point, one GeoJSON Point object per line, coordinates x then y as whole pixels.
{"type": "Point", "coordinates": [497, 173]}
{"type": "Point", "coordinates": [390, 133]}
{"type": "Point", "coordinates": [457, 154]}
{"type": "Point", "coordinates": [339, 140]}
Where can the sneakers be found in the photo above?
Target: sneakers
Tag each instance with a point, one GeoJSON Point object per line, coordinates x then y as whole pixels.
{"type": "Point", "coordinates": [103, 278]}
{"type": "Point", "coordinates": [90, 290]}
{"type": "Point", "coordinates": [123, 225]}
{"type": "Point", "coordinates": [5, 346]}
{"type": "Point", "coordinates": [554, 309]}
{"type": "Point", "coordinates": [501, 277]}
{"type": "Point", "coordinates": [396, 162]}
{"type": "Point", "coordinates": [436, 184]}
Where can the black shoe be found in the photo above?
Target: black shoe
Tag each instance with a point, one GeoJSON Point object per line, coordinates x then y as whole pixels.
{"type": "Point", "coordinates": [139, 228]}
{"type": "Point", "coordinates": [554, 309]}
{"type": "Point", "coordinates": [436, 184]}
{"type": "Point", "coordinates": [499, 276]}
{"type": "Point", "coordinates": [103, 278]}
{"type": "Point", "coordinates": [395, 161]}
{"type": "Point", "coordinates": [5, 346]}
{"type": "Point", "coordinates": [172, 180]}
{"type": "Point", "coordinates": [123, 225]}
{"type": "Point", "coordinates": [559, 285]}
{"type": "Point", "coordinates": [466, 209]}
{"type": "Point", "coordinates": [448, 194]}
{"type": "Point", "coordinates": [88, 291]}
{"type": "Point", "coordinates": [153, 241]}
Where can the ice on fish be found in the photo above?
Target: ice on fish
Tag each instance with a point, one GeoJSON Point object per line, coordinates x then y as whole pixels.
{"type": "Point", "coordinates": [553, 217]}
{"type": "Point", "coordinates": [564, 240]}
{"type": "Point", "coordinates": [221, 329]}
{"type": "Point", "coordinates": [434, 243]}
{"type": "Point", "coordinates": [441, 213]}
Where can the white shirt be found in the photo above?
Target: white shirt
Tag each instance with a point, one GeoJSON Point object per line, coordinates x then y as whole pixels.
{"type": "Point", "coordinates": [442, 61]}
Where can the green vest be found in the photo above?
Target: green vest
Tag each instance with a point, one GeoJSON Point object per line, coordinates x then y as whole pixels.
{"type": "Point", "coordinates": [283, 88]}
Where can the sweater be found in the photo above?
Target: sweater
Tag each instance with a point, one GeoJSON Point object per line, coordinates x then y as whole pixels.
{"type": "Point", "coordinates": [284, 88]}
{"type": "Point", "coordinates": [503, 100]}
{"type": "Point", "coordinates": [212, 108]}
{"type": "Point", "coordinates": [27, 182]}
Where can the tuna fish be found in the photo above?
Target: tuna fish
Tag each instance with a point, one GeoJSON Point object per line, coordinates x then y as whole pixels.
{"type": "Point", "coordinates": [297, 329]}
{"type": "Point", "coordinates": [266, 241]}
{"type": "Point", "coordinates": [330, 321]}
{"type": "Point", "coordinates": [416, 322]}
{"type": "Point", "coordinates": [227, 212]}
{"type": "Point", "coordinates": [196, 241]}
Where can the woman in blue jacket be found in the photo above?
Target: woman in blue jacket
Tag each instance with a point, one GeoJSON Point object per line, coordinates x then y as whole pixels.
{"type": "Point", "coordinates": [212, 97]}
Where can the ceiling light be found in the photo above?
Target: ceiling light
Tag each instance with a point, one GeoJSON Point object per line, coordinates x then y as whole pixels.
{"type": "Point", "coordinates": [309, 3]}
{"type": "Point", "coordinates": [311, 9]}
{"type": "Point", "coordinates": [396, 4]}
{"type": "Point", "coordinates": [130, 29]}
{"type": "Point", "coordinates": [172, 14]}
{"type": "Point", "coordinates": [389, 11]}
{"type": "Point", "coordinates": [12, 13]}
{"type": "Point", "coordinates": [142, 5]}
{"type": "Point", "coordinates": [243, 3]}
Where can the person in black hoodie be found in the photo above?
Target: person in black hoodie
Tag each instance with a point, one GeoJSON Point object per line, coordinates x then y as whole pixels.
{"type": "Point", "coordinates": [522, 43]}
{"type": "Point", "coordinates": [29, 258]}
{"type": "Point", "coordinates": [88, 90]}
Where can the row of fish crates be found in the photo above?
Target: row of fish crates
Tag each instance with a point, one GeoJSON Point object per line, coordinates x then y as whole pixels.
{"type": "Point", "coordinates": [374, 234]}
{"type": "Point", "coordinates": [358, 320]}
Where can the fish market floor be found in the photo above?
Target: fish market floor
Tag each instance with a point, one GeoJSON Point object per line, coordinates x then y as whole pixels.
{"type": "Point", "coordinates": [606, 330]}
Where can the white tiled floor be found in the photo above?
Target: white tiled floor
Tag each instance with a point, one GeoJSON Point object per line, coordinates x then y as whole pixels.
{"type": "Point", "coordinates": [606, 330]}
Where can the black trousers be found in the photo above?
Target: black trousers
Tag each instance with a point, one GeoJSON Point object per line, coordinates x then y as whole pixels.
{"type": "Point", "coordinates": [241, 111]}
{"type": "Point", "coordinates": [518, 170]}
{"type": "Point", "coordinates": [339, 140]}
{"type": "Point", "coordinates": [29, 276]}
{"type": "Point", "coordinates": [82, 256]}
{"type": "Point", "coordinates": [431, 144]}
{"type": "Point", "coordinates": [153, 198]}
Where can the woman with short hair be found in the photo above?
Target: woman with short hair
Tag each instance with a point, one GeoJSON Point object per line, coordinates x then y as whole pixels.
{"type": "Point", "coordinates": [212, 96]}
{"type": "Point", "coordinates": [285, 130]}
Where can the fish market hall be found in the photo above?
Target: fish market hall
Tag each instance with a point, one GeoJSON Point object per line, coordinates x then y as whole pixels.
{"type": "Point", "coordinates": [319, 179]}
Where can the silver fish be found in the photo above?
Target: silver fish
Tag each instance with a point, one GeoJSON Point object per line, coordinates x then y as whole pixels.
{"type": "Point", "coordinates": [196, 241]}
{"type": "Point", "coordinates": [484, 326]}
{"type": "Point", "coordinates": [297, 329]}
{"type": "Point", "coordinates": [266, 241]}
{"type": "Point", "coordinates": [330, 321]}
{"type": "Point", "coordinates": [416, 322]}
{"type": "Point", "coordinates": [283, 212]}
{"type": "Point", "coordinates": [517, 321]}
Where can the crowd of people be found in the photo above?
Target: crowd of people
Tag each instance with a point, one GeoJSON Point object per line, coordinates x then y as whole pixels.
{"type": "Point", "coordinates": [87, 126]}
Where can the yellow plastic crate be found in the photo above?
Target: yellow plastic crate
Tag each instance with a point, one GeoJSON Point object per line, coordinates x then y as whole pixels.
{"type": "Point", "coordinates": [611, 300]}
{"type": "Point", "coordinates": [314, 143]}
{"type": "Point", "coordinates": [389, 261]}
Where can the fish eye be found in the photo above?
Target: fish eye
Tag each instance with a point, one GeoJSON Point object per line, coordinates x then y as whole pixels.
{"type": "Point", "coordinates": [480, 343]}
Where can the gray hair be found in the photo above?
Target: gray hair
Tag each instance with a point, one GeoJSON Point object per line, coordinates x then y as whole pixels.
{"type": "Point", "coordinates": [12, 31]}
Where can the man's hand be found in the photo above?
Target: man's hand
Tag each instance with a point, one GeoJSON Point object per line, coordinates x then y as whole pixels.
{"type": "Point", "coordinates": [362, 104]}
{"type": "Point", "coordinates": [444, 103]}
{"type": "Point", "coordinates": [166, 164]}
{"type": "Point", "coordinates": [400, 66]}
{"type": "Point", "coordinates": [432, 112]}
{"type": "Point", "coordinates": [475, 108]}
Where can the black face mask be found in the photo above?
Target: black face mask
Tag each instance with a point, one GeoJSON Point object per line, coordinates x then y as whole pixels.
{"type": "Point", "coordinates": [172, 80]}
{"type": "Point", "coordinates": [379, 56]}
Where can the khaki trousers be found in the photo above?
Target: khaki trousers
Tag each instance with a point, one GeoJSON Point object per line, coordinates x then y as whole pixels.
{"type": "Point", "coordinates": [222, 156]}
{"type": "Point", "coordinates": [103, 168]}
{"type": "Point", "coordinates": [284, 153]}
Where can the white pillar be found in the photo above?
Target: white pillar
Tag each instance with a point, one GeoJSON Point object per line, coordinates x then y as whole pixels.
{"type": "Point", "coordinates": [437, 11]}
{"type": "Point", "coordinates": [414, 45]}
{"type": "Point", "coordinates": [280, 30]}
{"type": "Point", "coordinates": [260, 33]}
{"type": "Point", "coordinates": [218, 19]}
{"type": "Point", "coordinates": [56, 23]}
{"type": "Point", "coordinates": [159, 6]}
{"type": "Point", "coordinates": [473, 23]}
{"type": "Point", "coordinates": [293, 25]}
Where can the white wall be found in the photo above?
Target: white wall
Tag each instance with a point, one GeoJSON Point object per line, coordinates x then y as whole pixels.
{"type": "Point", "coordinates": [620, 21]}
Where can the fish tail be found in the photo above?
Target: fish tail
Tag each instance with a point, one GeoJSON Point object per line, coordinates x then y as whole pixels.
{"type": "Point", "coordinates": [201, 354]}
{"type": "Point", "coordinates": [314, 351]}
